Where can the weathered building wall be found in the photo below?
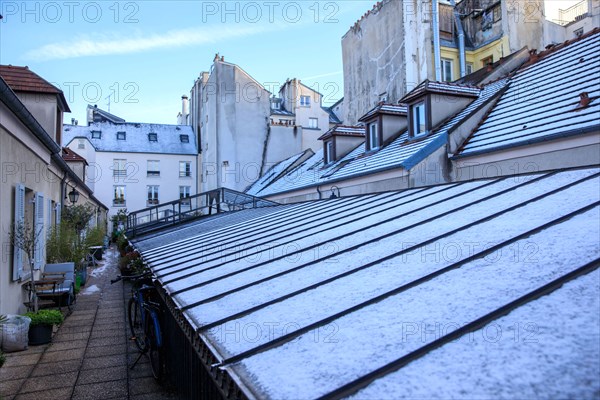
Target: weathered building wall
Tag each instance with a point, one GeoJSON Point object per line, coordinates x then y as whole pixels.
{"type": "Point", "coordinates": [379, 63]}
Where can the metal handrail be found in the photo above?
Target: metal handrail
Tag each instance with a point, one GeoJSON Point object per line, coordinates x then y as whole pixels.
{"type": "Point", "coordinates": [192, 207]}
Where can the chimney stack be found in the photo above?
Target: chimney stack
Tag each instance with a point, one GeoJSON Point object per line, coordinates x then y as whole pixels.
{"type": "Point", "coordinates": [185, 109]}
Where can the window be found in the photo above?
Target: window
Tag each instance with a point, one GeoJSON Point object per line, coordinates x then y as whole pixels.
{"type": "Point", "coordinates": [487, 60]}
{"type": "Point", "coordinates": [497, 13]}
{"type": "Point", "coordinates": [329, 152]}
{"type": "Point", "coordinates": [152, 137]}
{"type": "Point", "coordinates": [96, 134]}
{"type": "Point", "coordinates": [447, 70]}
{"type": "Point", "coordinates": [153, 168]}
{"type": "Point", "coordinates": [119, 167]}
{"type": "Point", "coordinates": [152, 195]}
{"type": "Point", "coordinates": [276, 105]}
{"type": "Point", "coordinates": [185, 169]}
{"type": "Point", "coordinates": [373, 136]}
{"type": "Point", "coordinates": [121, 135]}
{"type": "Point", "coordinates": [184, 138]}
{"type": "Point", "coordinates": [469, 68]}
{"type": "Point", "coordinates": [419, 126]}
{"type": "Point", "coordinates": [305, 101]}
{"type": "Point", "coordinates": [119, 196]}
{"type": "Point", "coordinates": [81, 144]}
{"type": "Point", "coordinates": [313, 123]}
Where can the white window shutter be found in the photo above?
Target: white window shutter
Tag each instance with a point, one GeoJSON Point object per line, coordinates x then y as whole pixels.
{"type": "Point", "coordinates": [58, 211]}
{"type": "Point", "coordinates": [19, 220]}
{"type": "Point", "coordinates": [39, 230]}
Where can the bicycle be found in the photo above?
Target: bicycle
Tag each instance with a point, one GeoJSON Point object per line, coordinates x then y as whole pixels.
{"type": "Point", "coordinates": [144, 324]}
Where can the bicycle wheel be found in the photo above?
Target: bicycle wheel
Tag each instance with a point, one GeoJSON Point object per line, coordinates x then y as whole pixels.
{"type": "Point", "coordinates": [154, 349]}
{"type": "Point", "coordinates": [135, 324]}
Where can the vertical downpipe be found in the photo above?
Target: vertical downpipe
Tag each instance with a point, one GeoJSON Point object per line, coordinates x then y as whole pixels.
{"type": "Point", "coordinates": [436, 40]}
{"type": "Point", "coordinates": [461, 40]}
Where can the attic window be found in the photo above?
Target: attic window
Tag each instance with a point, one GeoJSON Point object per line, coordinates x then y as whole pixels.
{"type": "Point", "coordinates": [96, 134]}
{"type": "Point", "coordinates": [121, 136]}
{"type": "Point", "coordinates": [418, 119]}
{"type": "Point", "coordinates": [373, 135]}
{"type": "Point", "coordinates": [329, 152]}
{"type": "Point", "coordinates": [184, 138]}
{"type": "Point", "coordinates": [152, 137]}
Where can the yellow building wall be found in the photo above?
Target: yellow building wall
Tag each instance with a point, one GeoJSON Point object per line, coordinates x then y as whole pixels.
{"type": "Point", "coordinates": [496, 49]}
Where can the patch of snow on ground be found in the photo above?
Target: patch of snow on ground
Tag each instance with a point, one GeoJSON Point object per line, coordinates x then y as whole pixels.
{"type": "Point", "coordinates": [90, 290]}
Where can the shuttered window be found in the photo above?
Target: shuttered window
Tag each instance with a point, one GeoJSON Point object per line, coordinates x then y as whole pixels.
{"type": "Point", "coordinates": [38, 252]}
{"type": "Point", "coordinates": [19, 220]}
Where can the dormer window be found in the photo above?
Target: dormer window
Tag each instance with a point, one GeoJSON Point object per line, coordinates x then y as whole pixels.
{"type": "Point", "coordinates": [329, 152]}
{"type": "Point", "coordinates": [276, 105]}
{"type": "Point", "coordinates": [419, 119]}
{"type": "Point", "coordinates": [373, 130]}
{"type": "Point", "coordinates": [184, 138]}
{"type": "Point", "coordinates": [121, 136]}
{"type": "Point", "coordinates": [153, 137]}
{"type": "Point", "coordinates": [96, 134]}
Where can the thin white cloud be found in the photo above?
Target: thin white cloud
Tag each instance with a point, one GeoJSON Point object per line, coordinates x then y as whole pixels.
{"type": "Point", "coordinates": [308, 78]}
{"type": "Point", "coordinates": [101, 45]}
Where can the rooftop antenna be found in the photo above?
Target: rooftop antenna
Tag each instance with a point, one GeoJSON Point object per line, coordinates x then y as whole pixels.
{"type": "Point", "coordinates": [108, 103]}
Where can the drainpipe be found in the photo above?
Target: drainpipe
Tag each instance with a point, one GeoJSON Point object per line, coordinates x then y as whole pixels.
{"type": "Point", "coordinates": [436, 40]}
{"type": "Point", "coordinates": [63, 192]}
{"type": "Point", "coordinates": [320, 194]}
{"type": "Point", "coordinates": [461, 40]}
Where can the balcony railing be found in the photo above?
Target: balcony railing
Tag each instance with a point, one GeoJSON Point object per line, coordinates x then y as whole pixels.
{"type": "Point", "coordinates": [574, 13]}
{"type": "Point", "coordinates": [186, 209]}
{"type": "Point", "coordinates": [119, 202]}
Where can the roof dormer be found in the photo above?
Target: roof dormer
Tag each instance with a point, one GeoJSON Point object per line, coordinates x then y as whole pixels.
{"type": "Point", "coordinates": [341, 140]}
{"type": "Point", "coordinates": [431, 103]}
{"type": "Point", "coordinates": [383, 124]}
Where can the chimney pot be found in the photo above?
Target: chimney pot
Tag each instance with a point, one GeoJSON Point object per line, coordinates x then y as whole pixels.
{"type": "Point", "coordinates": [584, 100]}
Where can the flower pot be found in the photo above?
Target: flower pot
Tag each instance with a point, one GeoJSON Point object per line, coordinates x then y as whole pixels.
{"type": "Point", "coordinates": [40, 334]}
{"type": "Point", "coordinates": [82, 275]}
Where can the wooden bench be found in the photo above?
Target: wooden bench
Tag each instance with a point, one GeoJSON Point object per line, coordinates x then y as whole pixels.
{"type": "Point", "coordinates": [57, 283]}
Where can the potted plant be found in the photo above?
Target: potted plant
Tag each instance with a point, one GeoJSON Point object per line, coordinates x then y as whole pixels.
{"type": "Point", "coordinates": [25, 238]}
{"type": "Point", "coordinates": [42, 323]}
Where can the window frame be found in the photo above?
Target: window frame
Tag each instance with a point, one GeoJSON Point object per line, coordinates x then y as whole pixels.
{"type": "Point", "coordinates": [447, 62]}
{"type": "Point", "coordinates": [376, 124]}
{"type": "Point", "coordinates": [305, 101]}
{"type": "Point", "coordinates": [153, 137]}
{"type": "Point", "coordinates": [312, 120]}
{"type": "Point", "coordinates": [96, 134]}
{"type": "Point", "coordinates": [329, 151]}
{"type": "Point", "coordinates": [122, 200]}
{"type": "Point", "coordinates": [152, 192]}
{"type": "Point", "coordinates": [119, 172]}
{"type": "Point", "coordinates": [467, 67]}
{"type": "Point", "coordinates": [185, 172]}
{"type": "Point", "coordinates": [121, 135]}
{"type": "Point", "coordinates": [415, 131]}
{"type": "Point", "coordinates": [153, 168]}
{"type": "Point", "coordinates": [184, 138]}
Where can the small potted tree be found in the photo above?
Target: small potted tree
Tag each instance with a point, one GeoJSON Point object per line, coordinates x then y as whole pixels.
{"type": "Point", "coordinates": [42, 324]}
{"type": "Point", "coordinates": [25, 238]}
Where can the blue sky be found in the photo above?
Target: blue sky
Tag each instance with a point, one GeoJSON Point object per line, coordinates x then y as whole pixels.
{"type": "Point", "coordinates": [146, 54]}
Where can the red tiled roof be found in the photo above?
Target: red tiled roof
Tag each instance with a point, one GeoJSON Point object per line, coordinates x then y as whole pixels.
{"type": "Point", "coordinates": [70, 155]}
{"type": "Point", "coordinates": [22, 79]}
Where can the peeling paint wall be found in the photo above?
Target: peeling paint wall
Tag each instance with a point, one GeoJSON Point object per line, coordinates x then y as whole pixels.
{"type": "Point", "coordinates": [379, 62]}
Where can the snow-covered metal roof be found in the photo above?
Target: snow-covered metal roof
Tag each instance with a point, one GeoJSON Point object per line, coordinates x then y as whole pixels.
{"type": "Point", "coordinates": [391, 109]}
{"type": "Point", "coordinates": [343, 130]}
{"type": "Point", "coordinates": [542, 101]}
{"type": "Point", "coordinates": [401, 153]}
{"type": "Point", "coordinates": [170, 139]}
{"type": "Point", "coordinates": [425, 292]}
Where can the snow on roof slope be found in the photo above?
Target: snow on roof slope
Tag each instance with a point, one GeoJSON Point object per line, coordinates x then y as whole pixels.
{"type": "Point", "coordinates": [401, 153]}
{"type": "Point", "coordinates": [137, 141]}
{"type": "Point", "coordinates": [333, 291]}
{"type": "Point", "coordinates": [542, 99]}
{"type": "Point", "coordinates": [272, 174]}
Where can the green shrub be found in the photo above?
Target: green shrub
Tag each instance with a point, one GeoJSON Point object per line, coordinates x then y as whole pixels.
{"type": "Point", "coordinates": [95, 236]}
{"type": "Point", "coordinates": [49, 317]}
{"type": "Point", "coordinates": [63, 245]}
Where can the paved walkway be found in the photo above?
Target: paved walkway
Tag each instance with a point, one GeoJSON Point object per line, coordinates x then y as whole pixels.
{"type": "Point", "coordinates": [89, 354]}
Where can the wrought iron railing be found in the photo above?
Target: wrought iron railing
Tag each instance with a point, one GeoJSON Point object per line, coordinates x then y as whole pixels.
{"type": "Point", "coordinates": [189, 208]}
